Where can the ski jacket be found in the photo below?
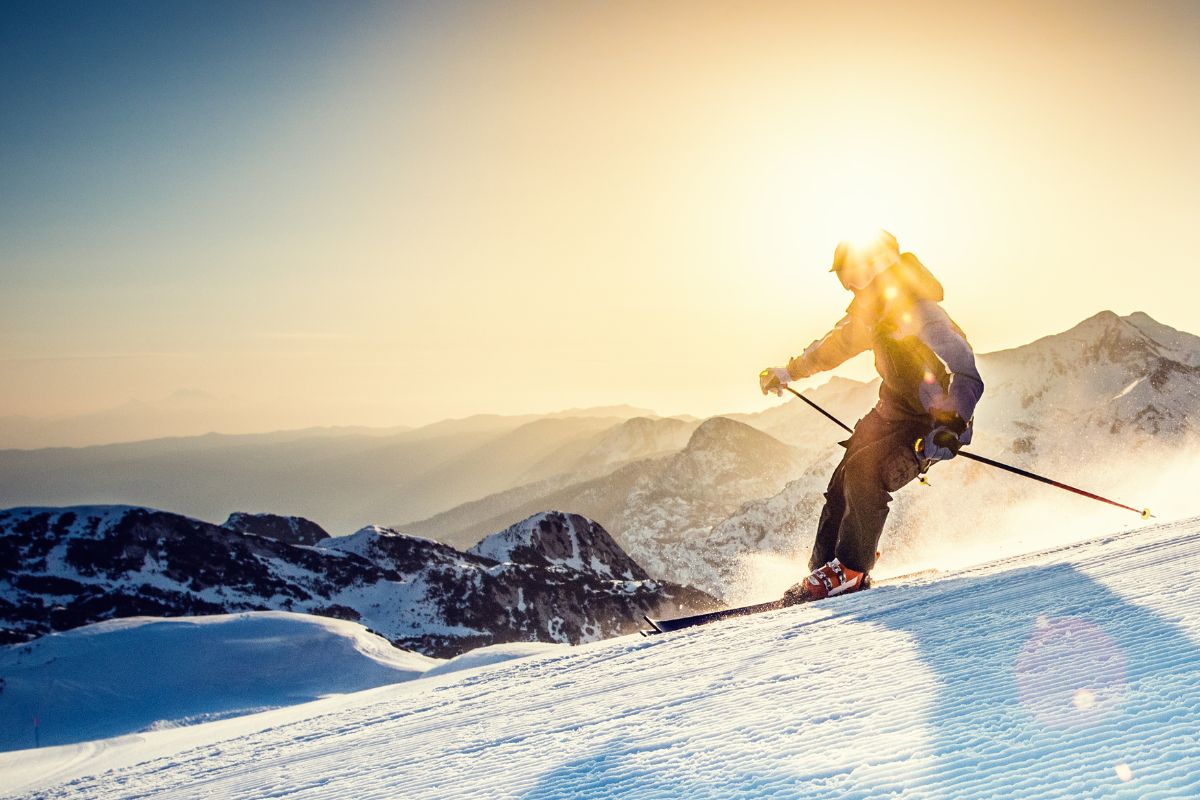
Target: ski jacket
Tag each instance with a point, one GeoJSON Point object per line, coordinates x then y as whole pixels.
{"type": "Point", "coordinates": [926, 364]}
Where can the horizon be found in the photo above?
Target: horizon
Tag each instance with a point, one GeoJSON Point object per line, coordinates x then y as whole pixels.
{"type": "Point", "coordinates": [859, 370]}
{"type": "Point", "coordinates": [385, 215]}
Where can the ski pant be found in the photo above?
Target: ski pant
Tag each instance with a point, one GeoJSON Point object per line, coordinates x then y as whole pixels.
{"type": "Point", "coordinates": [879, 459]}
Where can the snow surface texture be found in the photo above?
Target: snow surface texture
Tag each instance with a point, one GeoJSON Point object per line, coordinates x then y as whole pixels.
{"type": "Point", "coordinates": [143, 673]}
{"type": "Point", "coordinates": [1070, 673]}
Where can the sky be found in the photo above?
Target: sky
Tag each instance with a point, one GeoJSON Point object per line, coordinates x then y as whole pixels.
{"type": "Point", "coordinates": [395, 213]}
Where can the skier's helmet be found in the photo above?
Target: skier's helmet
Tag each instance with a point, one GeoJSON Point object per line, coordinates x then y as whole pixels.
{"type": "Point", "coordinates": [859, 261]}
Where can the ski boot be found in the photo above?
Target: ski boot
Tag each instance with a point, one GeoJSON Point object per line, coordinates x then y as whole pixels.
{"type": "Point", "coordinates": [827, 581]}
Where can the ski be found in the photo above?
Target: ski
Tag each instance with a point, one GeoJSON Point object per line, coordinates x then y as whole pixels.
{"type": "Point", "coordinates": [679, 623]}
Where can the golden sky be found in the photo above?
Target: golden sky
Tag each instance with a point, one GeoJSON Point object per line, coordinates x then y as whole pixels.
{"type": "Point", "coordinates": [434, 210]}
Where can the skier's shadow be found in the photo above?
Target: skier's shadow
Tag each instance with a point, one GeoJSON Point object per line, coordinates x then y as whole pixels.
{"type": "Point", "coordinates": [1044, 683]}
{"type": "Point", "coordinates": [1059, 687]}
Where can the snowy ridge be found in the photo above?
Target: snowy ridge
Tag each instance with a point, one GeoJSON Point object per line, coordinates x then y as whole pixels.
{"type": "Point", "coordinates": [1109, 375]}
{"type": "Point", "coordinates": [142, 673]}
{"type": "Point", "coordinates": [62, 568]}
{"type": "Point", "coordinates": [1069, 673]}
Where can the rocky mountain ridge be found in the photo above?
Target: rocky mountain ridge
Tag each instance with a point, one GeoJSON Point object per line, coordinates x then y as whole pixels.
{"type": "Point", "coordinates": [293, 530]}
{"type": "Point", "coordinates": [66, 567]}
{"type": "Point", "coordinates": [655, 508]}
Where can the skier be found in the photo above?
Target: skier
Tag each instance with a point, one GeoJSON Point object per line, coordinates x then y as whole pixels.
{"type": "Point", "coordinates": [925, 409]}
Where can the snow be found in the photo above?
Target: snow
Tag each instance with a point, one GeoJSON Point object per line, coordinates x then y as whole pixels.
{"type": "Point", "coordinates": [142, 673]}
{"type": "Point", "coordinates": [1071, 673]}
{"type": "Point", "coordinates": [500, 546]}
{"type": "Point", "coordinates": [362, 541]}
{"type": "Point", "coordinates": [496, 654]}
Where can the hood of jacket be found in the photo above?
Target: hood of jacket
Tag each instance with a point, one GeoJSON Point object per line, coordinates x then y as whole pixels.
{"type": "Point", "coordinates": [896, 289]}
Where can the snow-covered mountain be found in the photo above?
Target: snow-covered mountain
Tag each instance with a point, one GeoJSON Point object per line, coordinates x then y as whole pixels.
{"type": "Point", "coordinates": [1064, 674]}
{"type": "Point", "coordinates": [796, 424]}
{"type": "Point", "coordinates": [655, 508]}
{"type": "Point", "coordinates": [1110, 382]}
{"type": "Point", "coordinates": [149, 673]}
{"type": "Point", "coordinates": [63, 568]}
{"type": "Point", "coordinates": [561, 540]}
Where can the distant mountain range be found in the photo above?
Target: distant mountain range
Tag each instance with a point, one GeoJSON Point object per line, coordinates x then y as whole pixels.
{"type": "Point", "coordinates": [689, 500]}
{"type": "Point", "coordinates": [553, 577]}
{"type": "Point", "coordinates": [658, 504]}
{"type": "Point", "coordinates": [341, 480]}
{"type": "Point", "coordinates": [187, 412]}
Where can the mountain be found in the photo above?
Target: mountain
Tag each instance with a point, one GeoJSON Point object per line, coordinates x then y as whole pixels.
{"type": "Point", "coordinates": [561, 540]}
{"type": "Point", "coordinates": [605, 453]}
{"type": "Point", "coordinates": [340, 479]}
{"type": "Point", "coordinates": [293, 530]}
{"type": "Point", "coordinates": [1109, 376]}
{"type": "Point", "coordinates": [184, 413]}
{"type": "Point", "coordinates": [145, 673]}
{"type": "Point", "coordinates": [610, 448]}
{"type": "Point", "coordinates": [659, 509]}
{"type": "Point", "coordinates": [797, 424]}
{"type": "Point", "coordinates": [67, 567]}
{"type": "Point", "coordinates": [1111, 405]}
{"type": "Point", "coordinates": [497, 465]}
{"type": "Point", "coordinates": [1067, 673]}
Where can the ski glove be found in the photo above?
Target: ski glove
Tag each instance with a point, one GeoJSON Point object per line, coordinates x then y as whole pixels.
{"type": "Point", "coordinates": [940, 444]}
{"type": "Point", "coordinates": [773, 379]}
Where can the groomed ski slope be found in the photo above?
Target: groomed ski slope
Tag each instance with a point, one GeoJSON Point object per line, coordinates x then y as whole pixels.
{"type": "Point", "coordinates": [1070, 673]}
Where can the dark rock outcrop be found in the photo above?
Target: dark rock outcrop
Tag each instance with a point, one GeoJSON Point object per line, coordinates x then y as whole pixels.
{"type": "Point", "coordinates": [293, 530]}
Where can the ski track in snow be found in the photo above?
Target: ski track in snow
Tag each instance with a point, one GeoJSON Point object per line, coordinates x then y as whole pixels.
{"type": "Point", "coordinates": [1069, 673]}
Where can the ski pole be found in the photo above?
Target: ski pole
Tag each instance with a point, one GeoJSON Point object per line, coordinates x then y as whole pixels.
{"type": "Point", "coordinates": [1144, 513]}
{"type": "Point", "coordinates": [836, 421]}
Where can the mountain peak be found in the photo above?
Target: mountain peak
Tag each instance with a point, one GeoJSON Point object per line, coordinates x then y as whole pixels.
{"type": "Point", "coordinates": [555, 538]}
{"type": "Point", "coordinates": [715, 430]}
{"type": "Point", "coordinates": [293, 530]}
{"type": "Point", "coordinates": [1109, 338]}
{"type": "Point", "coordinates": [390, 548]}
{"type": "Point", "coordinates": [728, 435]}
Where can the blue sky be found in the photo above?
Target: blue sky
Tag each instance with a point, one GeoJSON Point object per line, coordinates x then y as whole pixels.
{"type": "Point", "coordinates": [111, 107]}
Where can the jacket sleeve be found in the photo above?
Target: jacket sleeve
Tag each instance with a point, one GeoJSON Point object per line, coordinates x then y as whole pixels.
{"type": "Point", "coordinates": [954, 405]}
{"type": "Point", "coordinates": [847, 339]}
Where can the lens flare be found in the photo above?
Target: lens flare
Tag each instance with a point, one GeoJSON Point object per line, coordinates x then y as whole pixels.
{"type": "Point", "coordinates": [1070, 672]}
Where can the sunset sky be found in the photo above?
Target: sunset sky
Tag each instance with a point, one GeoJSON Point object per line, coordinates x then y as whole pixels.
{"type": "Point", "coordinates": [396, 213]}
